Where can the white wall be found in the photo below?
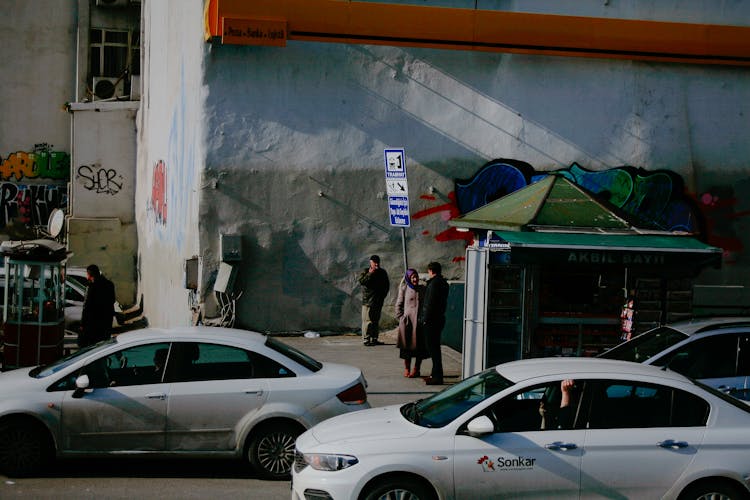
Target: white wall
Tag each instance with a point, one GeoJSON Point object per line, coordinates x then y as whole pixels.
{"type": "Point", "coordinates": [170, 155]}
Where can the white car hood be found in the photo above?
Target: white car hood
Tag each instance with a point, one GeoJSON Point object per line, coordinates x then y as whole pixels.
{"type": "Point", "coordinates": [383, 423]}
{"type": "Point", "coordinates": [18, 380]}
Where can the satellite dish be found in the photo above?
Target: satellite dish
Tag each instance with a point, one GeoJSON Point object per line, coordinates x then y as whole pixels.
{"type": "Point", "coordinates": [56, 222]}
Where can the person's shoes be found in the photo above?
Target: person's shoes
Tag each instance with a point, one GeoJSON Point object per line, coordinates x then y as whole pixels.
{"type": "Point", "coordinates": [433, 381]}
{"type": "Point", "coordinates": [414, 374]}
{"type": "Point", "coordinates": [376, 342]}
{"type": "Point", "coordinates": [368, 343]}
{"type": "Point", "coordinates": [406, 373]}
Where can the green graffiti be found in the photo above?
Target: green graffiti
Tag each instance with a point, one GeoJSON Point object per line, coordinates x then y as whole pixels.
{"type": "Point", "coordinates": [37, 165]}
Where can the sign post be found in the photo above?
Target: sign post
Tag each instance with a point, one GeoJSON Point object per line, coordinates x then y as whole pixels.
{"type": "Point", "coordinates": [398, 193]}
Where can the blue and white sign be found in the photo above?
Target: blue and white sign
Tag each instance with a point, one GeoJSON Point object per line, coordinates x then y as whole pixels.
{"type": "Point", "coordinates": [395, 164]}
{"type": "Point", "coordinates": [397, 187]}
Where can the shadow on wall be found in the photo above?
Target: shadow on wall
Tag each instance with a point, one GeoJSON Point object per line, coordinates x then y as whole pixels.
{"type": "Point", "coordinates": [308, 300]}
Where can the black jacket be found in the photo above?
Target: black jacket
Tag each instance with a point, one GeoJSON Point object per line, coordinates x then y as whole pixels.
{"type": "Point", "coordinates": [375, 287]}
{"type": "Point", "coordinates": [435, 300]}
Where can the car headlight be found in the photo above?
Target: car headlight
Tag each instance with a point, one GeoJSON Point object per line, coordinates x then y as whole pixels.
{"type": "Point", "coordinates": [329, 462]}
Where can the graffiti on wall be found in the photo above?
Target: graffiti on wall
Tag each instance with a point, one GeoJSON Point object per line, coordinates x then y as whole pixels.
{"type": "Point", "coordinates": [42, 163]}
{"type": "Point", "coordinates": [158, 202]}
{"type": "Point", "coordinates": [30, 204]}
{"type": "Point", "coordinates": [100, 180]}
{"type": "Point", "coordinates": [650, 199]}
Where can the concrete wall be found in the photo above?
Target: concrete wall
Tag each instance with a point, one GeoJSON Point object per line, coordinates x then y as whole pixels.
{"type": "Point", "coordinates": [170, 155]}
{"type": "Point", "coordinates": [294, 141]}
{"type": "Point", "coordinates": [36, 84]}
{"type": "Point", "coordinates": [101, 227]}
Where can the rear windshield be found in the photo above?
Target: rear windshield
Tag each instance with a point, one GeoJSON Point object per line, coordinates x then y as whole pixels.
{"type": "Point", "coordinates": [646, 345]}
{"type": "Point", "coordinates": [294, 354]}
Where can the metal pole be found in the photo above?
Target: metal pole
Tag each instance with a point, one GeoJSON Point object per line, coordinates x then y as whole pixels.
{"type": "Point", "coordinates": [403, 247]}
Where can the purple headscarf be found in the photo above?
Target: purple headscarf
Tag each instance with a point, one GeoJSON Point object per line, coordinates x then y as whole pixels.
{"type": "Point", "coordinates": [409, 273]}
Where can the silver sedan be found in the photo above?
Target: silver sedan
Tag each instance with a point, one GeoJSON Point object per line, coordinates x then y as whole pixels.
{"type": "Point", "coordinates": [193, 392]}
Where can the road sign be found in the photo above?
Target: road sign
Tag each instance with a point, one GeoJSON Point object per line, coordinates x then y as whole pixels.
{"type": "Point", "coordinates": [397, 187]}
{"type": "Point", "coordinates": [395, 164]}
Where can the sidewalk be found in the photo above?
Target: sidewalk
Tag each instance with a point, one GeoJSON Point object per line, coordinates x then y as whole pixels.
{"type": "Point", "coordinates": [383, 369]}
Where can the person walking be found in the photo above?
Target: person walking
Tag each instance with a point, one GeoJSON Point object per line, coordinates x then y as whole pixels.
{"type": "Point", "coordinates": [375, 286]}
{"type": "Point", "coordinates": [98, 308]}
{"type": "Point", "coordinates": [433, 319]}
{"type": "Point", "coordinates": [410, 339]}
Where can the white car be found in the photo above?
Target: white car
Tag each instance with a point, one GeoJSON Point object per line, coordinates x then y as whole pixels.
{"type": "Point", "coordinates": [183, 392]}
{"type": "Point", "coordinates": [625, 430]}
{"type": "Point", "coordinates": [715, 351]}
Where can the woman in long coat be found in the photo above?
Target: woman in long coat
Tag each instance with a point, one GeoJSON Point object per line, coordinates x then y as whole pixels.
{"type": "Point", "coordinates": [410, 340]}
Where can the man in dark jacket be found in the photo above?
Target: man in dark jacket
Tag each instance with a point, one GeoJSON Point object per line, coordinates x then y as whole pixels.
{"type": "Point", "coordinates": [434, 305]}
{"type": "Point", "coordinates": [98, 308]}
{"type": "Point", "coordinates": [375, 286]}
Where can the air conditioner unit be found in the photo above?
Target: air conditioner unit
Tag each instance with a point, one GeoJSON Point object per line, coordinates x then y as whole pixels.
{"type": "Point", "coordinates": [106, 87]}
{"type": "Point", "coordinates": [112, 3]}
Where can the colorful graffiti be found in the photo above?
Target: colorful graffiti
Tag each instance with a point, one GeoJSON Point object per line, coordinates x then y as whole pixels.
{"type": "Point", "coordinates": [649, 199]}
{"type": "Point", "coordinates": [30, 205]}
{"type": "Point", "coordinates": [42, 163]}
{"type": "Point", "coordinates": [100, 180]}
{"type": "Point", "coordinates": [158, 204]}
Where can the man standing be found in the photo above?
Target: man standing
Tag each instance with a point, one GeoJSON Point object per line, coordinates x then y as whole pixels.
{"type": "Point", "coordinates": [98, 308]}
{"type": "Point", "coordinates": [433, 319]}
{"type": "Point", "coordinates": [375, 286]}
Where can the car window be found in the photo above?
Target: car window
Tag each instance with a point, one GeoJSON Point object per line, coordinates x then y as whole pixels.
{"type": "Point", "coordinates": [138, 365]}
{"type": "Point", "coordinates": [191, 361]}
{"type": "Point", "coordinates": [617, 404]}
{"type": "Point", "coordinates": [294, 354]}
{"type": "Point", "coordinates": [646, 345]}
{"type": "Point", "coordinates": [743, 355]}
{"type": "Point", "coordinates": [536, 408]}
{"type": "Point", "coordinates": [443, 407]}
{"type": "Point", "coordinates": [710, 357]}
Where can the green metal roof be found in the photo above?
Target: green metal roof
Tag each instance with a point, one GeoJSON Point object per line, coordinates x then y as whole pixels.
{"type": "Point", "coordinates": [552, 201]}
{"type": "Point", "coordinates": [647, 242]}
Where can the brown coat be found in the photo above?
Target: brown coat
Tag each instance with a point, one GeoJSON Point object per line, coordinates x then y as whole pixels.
{"type": "Point", "coordinates": [409, 338]}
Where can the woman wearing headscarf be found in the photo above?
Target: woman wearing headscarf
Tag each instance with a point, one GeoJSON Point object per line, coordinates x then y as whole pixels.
{"type": "Point", "coordinates": [410, 340]}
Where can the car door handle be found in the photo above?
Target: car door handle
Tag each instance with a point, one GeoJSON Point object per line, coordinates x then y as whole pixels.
{"type": "Point", "coordinates": [257, 392]}
{"type": "Point", "coordinates": [156, 395]}
{"type": "Point", "coordinates": [672, 444]}
{"type": "Point", "coordinates": [560, 446]}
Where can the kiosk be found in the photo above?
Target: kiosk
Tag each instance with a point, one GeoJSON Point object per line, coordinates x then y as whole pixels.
{"type": "Point", "coordinates": [33, 307]}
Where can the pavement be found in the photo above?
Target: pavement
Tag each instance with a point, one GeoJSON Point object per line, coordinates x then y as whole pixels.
{"type": "Point", "coordinates": [382, 368]}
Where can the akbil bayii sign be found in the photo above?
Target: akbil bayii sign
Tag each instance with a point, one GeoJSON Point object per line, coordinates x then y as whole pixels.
{"type": "Point", "coordinates": [616, 258]}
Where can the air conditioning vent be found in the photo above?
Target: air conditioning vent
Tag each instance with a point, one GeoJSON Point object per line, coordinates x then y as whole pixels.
{"type": "Point", "coordinates": [112, 3]}
{"type": "Point", "coordinates": [107, 87]}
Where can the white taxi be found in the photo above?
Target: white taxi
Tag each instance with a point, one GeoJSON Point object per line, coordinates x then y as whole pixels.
{"type": "Point", "coordinates": [536, 428]}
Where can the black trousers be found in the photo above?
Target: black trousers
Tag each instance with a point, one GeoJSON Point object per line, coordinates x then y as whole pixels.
{"type": "Point", "coordinates": [433, 332]}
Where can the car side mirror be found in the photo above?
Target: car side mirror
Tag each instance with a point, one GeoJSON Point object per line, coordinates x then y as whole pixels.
{"type": "Point", "coordinates": [480, 426]}
{"type": "Point", "coordinates": [82, 383]}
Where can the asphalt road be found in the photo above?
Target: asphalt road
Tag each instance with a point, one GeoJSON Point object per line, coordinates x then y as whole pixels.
{"type": "Point", "coordinates": [128, 478]}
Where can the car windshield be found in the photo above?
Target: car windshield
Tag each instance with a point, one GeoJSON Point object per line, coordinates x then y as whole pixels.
{"type": "Point", "coordinates": [52, 368]}
{"type": "Point", "coordinates": [293, 354]}
{"type": "Point", "coordinates": [443, 407]}
{"type": "Point", "coordinates": [642, 347]}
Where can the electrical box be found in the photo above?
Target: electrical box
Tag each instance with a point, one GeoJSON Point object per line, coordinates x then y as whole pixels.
{"type": "Point", "coordinates": [225, 278]}
{"type": "Point", "coordinates": [231, 247]}
{"type": "Point", "coordinates": [191, 273]}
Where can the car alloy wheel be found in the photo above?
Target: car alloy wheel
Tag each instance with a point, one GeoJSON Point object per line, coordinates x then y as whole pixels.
{"type": "Point", "coordinates": [271, 451]}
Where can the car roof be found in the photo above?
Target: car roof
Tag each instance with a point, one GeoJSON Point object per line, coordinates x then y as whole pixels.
{"type": "Point", "coordinates": [699, 325]}
{"type": "Point", "coordinates": [526, 369]}
{"type": "Point", "coordinates": [195, 333]}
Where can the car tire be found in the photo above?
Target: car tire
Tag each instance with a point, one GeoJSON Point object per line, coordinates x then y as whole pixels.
{"type": "Point", "coordinates": [25, 448]}
{"type": "Point", "coordinates": [271, 450]}
{"type": "Point", "coordinates": [714, 490]}
{"type": "Point", "coordinates": [403, 488]}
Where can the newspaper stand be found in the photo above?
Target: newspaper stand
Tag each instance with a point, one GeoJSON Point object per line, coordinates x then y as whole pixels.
{"type": "Point", "coordinates": [33, 327]}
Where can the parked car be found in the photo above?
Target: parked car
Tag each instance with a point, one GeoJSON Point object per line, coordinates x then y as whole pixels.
{"type": "Point", "coordinates": [183, 392]}
{"type": "Point", "coordinates": [715, 351]}
{"type": "Point", "coordinates": [634, 431]}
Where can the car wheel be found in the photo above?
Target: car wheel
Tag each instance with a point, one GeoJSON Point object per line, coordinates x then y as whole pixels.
{"type": "Point", "coordinates": [24, 448]}
{"type": "Point", "coordinates": [714, 490]}
{"type": "Point", "coordinates": [401, 489]}
{"type": "Point", "coordinates": [271, 450]}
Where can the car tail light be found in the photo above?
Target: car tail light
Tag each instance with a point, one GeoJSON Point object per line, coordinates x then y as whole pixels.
{"type": "Point", "coordinates": [355, 395]}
